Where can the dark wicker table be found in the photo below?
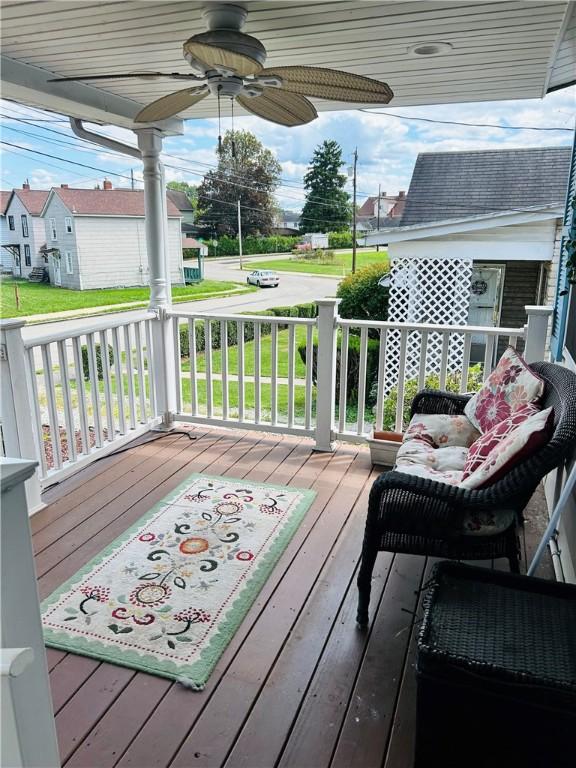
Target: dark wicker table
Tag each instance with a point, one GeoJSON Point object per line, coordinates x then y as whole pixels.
{"type": "Point", "coordinates": [496, 671]}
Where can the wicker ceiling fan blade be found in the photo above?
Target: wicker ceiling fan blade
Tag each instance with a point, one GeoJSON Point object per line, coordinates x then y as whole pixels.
{"type": "Point", "coordinates": [127, 76]}
{"type": "Point", "coordinates": [170, 105]}
{"type": "Point", "coordinates": [331, 84]}
{"type": "Point", "coordinates": [215, 57]}
{"type": "Point", "coordinates": [280, 107]}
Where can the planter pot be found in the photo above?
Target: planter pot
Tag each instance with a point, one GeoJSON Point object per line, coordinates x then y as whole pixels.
{"type": "Point", "coordinates": [383, 451]}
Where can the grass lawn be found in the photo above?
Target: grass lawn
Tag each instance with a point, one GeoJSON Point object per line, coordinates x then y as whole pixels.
{"type": "Point", "coordinates": [342, 264]}
{"type": "Point", "coordinates": [265, 357]}
{"type": "Point", "coordinates": [39, 298]}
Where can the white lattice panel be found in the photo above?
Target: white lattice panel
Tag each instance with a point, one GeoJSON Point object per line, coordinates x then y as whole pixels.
{"type": "Point", "coordinates": [433, 291]}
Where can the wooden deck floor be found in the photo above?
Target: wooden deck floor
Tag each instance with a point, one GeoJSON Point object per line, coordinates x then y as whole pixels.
{"type": "Point", "coordinates": [298, 685]}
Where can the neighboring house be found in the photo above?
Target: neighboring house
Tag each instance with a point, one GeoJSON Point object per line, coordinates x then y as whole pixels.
{"type": "Point", "coordinates": [286, 223]}
{"type": "Point", "coordinates": [498, 211]}
{"type": "Point", "coordinates": [188, 228]}
{"type": "Point", "coordinates": [391, 209]}
{"type": "Point", "coordinates": [5, 255]}
{"type": "Point", "coordinates": [96, 238]}
{"type": "Point", "coordinates": [25, 236]}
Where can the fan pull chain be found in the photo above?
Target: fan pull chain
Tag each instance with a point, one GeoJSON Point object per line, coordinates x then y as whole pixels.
{"type": "Point", "coordinates": [233, 142]}
{"type": "Point", "coordinates": [219, 124]}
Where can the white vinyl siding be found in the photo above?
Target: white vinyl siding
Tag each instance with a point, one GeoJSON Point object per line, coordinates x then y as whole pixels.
{"type": "Point", "coordinates": [68, 224]}
{"type": "Point", "coordinates": [69, 263]}
{"type": "Point", "coordinates": [56, 215]}
{"type": "Point", "coordinates": [35, 238]}
{"type": "Point", "coordinates": [53, 231]}
{"type": "Point", "coordinates": [112, 251]}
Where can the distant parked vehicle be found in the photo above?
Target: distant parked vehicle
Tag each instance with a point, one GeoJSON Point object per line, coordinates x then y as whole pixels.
{"type": "Point", "coordinates": [262, 277]}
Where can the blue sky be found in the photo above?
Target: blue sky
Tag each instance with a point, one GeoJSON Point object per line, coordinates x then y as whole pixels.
{"type": "Point", "coordinates": [387, 146]}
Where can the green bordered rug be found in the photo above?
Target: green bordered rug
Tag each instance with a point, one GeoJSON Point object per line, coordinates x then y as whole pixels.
{"type": "Point", "coordinates": [167, 596]}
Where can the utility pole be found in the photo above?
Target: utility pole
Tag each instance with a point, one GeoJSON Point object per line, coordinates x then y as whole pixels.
{"type": "Point", "coordinates": [378, 213]}
{"type": "Point", "coordinates": [132, 178]}
{"type": "Point", "coordinates": [240, 235]}
{"type": "Point", "coordinates": [354, 212]}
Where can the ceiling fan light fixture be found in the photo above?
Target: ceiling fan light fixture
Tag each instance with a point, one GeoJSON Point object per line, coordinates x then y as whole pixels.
{"type": "Point", "coordinates": [429, 49]}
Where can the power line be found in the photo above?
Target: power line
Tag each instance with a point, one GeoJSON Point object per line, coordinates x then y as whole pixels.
{"type": "Point", "coordinates": [467, 125]}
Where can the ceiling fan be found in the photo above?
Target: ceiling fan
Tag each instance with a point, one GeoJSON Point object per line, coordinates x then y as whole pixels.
{"type": "Point", "coordinates": [225, 62]}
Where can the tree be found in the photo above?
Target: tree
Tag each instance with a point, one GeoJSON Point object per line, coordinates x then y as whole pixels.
{"type": "Point", "coordinates": [248, 172]}
{"type": "Point", "coordinates": [190, 190]}
{"type": "Point", "coordinates": [327, 207]}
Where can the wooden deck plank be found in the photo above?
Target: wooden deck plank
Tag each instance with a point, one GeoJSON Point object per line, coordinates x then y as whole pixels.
{"type": "Point", "coordinates": [160, 737]}
{"type": "Point", "coordinates": [67, 677]}
{"type": "Point", "coordinates": [226, 710]}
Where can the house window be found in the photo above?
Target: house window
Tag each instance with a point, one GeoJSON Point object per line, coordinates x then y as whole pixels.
{"type": "Point", "coordinates": [11, 223]}
{"type": "Point", "coordinates": [24, 219]}
{"type": "Point", "coordinates": [53, 233]}
{"type": "Point", "coordinates": [69, 267]}
{"type": "Point", "coordinates": [27, 256]}
{"type": "Point", "coordinates": [68, 224]}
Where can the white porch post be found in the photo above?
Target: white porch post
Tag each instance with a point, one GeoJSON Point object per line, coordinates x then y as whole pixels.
{"type": "Point", "coordinates": [536, 333]}
{"type": "Point", "coordinates": [326, 373]}
{"type": "Point", "coordinates": [16, 406]}
{"type": "Point", "coordinates": [150, 145]}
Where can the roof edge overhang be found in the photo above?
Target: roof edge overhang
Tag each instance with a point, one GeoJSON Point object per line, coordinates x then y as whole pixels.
{"type": "Point", "coordinates": [29, 85]}
{"type": "Point", "coordinates": [468, 224]}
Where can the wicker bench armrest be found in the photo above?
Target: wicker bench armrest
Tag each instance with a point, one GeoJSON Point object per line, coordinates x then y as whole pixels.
{"type": "Point", "coordinates": [435, 401]}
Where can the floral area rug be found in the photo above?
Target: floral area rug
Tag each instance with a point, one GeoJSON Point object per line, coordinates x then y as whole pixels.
{"type": "Point", "coordinates": [167, 596]}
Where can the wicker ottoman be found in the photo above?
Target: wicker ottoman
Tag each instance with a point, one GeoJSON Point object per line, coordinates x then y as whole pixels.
{"type": "Point", "coordinates": [496, 671]}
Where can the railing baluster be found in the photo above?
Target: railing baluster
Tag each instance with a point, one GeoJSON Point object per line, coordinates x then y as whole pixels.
{"type": "Point", "coordinates": [107, 386]}
{"type": "Point", "coordinates": [94, 389]}
{"type": "Point", "coordinates": [52, 408]}
{"type": "Point", "coordinates": [423, 356]}
{"type": "Point", "coordinates": [291, 338]}
{"type": "Point", "coordinates": [193, 378]}
{"type": "Point", "coordinates": [342, 401]}
{"type": "Point", "coordinates": [309, 371]}
{"type": "Point", "coordinates": [362, 380]}
{"type": "Point", "coordinates": [512, 341]}
{"type": "Point", "coordinates": [465, 363]}
{"type": "Point", "coordinates": [130, 375]}
{"type": "Point", "coordinates": [140, 369]}
{"type": "Point", "coordinates": [444, 360]}
{"type": "Point", "coordinates": [399, 425]}
{"type": "Point", "coordinates": [81, 390]}
{"type": "Point", "coordinates": [149, 364]}
{"type": "Point", "coordinates": [257, 367]}
{"type": "Point", "coordinates": [240, 339]}
{"type": "Point", "coordinates": [208, 366]}
{"type": "Point", "coordinates": [274, 375]}
{"type": "Point", "coordinates": [380, 380]}
{"type": "Point", "coordinates": [488, 353]}
{"type": "Point", "coordinates": [177, 363]}
{"type": "Point", "coordinates": [224, 354]}
{"type": "Point", "coordinates": [36, 406]}
{"type": "Point", "coordinates": [119, 380]}
{"type": "Point", "coordinates": [67, 401]}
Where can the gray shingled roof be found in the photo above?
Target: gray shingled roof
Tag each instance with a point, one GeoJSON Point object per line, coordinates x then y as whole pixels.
{"type": "Point", "coordinates": [179, 199]}
{"type": "Point", "coordinates": [450, 185]}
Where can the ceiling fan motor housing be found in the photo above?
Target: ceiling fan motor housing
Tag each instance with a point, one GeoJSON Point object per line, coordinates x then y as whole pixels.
{"type": "Point", "coordinates": [238, 42]}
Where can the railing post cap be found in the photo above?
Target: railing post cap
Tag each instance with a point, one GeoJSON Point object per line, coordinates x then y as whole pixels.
{"type": "Point", "coordinates": [327, 302]}
{"type": "Point", "coordinates": [534, 309]}
{"type": "Point", "coordinates": [10, 323]}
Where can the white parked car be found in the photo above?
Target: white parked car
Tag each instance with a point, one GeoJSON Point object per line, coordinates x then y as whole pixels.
{"type": "Point", "coordinates": [262, 277]}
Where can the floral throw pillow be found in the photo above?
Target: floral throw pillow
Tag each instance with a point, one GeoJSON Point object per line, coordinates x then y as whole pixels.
{"type": "Point", "coordinates": [510, 386]}
{"type": "Point", "coordinates": [501, 453]}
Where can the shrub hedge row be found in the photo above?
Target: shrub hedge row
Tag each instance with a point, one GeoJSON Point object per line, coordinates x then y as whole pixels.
{"type": "Point", "coordinates": [228, 246]}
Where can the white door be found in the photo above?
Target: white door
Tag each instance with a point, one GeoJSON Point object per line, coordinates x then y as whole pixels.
{"type": "Point", "coordinates": [485, 290]}
{"type": "Point", "coordinates": [57, 270]}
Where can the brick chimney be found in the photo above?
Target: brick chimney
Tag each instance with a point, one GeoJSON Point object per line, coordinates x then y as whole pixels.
{"type": "Point", "coordinates": [26, 185]}
{"type": "Point", "coordinates": [63, 186]}
{"type": "Point", "coordinates": [107, 184]}
{"type": "Point", "coordinates": [401, 194]}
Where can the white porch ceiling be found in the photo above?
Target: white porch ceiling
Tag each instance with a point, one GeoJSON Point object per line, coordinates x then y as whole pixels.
{"type": "Point", "coordinates": [501, 50]}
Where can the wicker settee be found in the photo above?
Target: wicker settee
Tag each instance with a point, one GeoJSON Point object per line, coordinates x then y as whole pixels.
{"type": "Point", "coordinates": [421, 516]}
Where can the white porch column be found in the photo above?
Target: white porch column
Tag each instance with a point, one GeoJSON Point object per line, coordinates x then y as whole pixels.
{"type": "Point", "coordinates": [150, 145]}
{"type": "Point", "coordinates": [16, 405]}
{"type": "Point", "coordinates": [536, 333]}
{"type": "Point", "coordinates": [326, 373]}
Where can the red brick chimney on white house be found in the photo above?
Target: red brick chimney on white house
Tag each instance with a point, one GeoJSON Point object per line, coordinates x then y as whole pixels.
{"type": "Point", "coordinates": [107, 184]}
{"type": "Point", "coordinates": [26, 185]}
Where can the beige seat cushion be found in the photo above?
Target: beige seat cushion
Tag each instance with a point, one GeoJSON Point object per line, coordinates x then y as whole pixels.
{"type": "Point", "coordinates": [441, 430]}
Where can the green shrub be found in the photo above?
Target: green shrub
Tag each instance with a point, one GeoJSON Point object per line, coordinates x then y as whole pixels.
{"type": "Point", "coordinates": [361, 296]}
{"type": "Point", "coordinates": [86, 366]}
{"type": "Point", "coordinates": [340, 240]}
{"type": "Point", "coordinates": [228, 246]}
{"type": "Point", "coordinates": [216, 329]}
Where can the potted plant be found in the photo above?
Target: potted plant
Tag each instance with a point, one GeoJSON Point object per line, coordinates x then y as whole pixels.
{"type": "Point", "coordinates": [384, 447]}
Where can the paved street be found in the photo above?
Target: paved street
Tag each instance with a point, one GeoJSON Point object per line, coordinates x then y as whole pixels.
{"type": "Point", "coordinates": [293, 289]}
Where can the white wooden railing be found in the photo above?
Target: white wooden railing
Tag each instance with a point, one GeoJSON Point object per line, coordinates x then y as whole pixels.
{"type": "Point", "coordinates": [64, 403]}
